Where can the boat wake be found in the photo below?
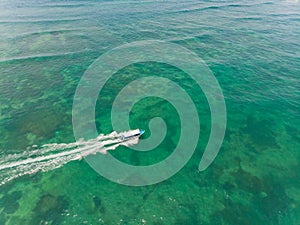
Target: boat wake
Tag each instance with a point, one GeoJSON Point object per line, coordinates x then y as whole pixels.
{"type": "Point", "coordinates": [51, 156]}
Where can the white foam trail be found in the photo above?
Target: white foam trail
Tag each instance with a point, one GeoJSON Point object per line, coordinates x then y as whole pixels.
{"type": "Point", "coordinates": [51, 156]}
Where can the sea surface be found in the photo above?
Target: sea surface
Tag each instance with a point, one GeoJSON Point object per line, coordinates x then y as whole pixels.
{"type": "Point", "coordinates": [253, 49]}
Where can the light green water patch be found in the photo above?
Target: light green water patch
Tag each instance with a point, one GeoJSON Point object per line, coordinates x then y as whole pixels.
{"type": "Point", "coordinates": [38, 105]}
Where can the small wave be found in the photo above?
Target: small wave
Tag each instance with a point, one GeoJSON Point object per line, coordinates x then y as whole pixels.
{"type": "Point", "coordinates": [22, 21]}
{"type": "Point", "coordinates": [45, 32]}
{"type": "Point", "coordinates": [69, 5]}
{"type": "Point", "coordinates": [249, 18]}
{"type": "Point", "coordinates": [37, 56]}
{"type": "Point", "coordinates": [216, 7]}
{"type": "Point", "coordinates": [197, 9]}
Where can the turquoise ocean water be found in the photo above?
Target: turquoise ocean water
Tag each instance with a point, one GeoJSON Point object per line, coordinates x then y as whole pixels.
{"type": "Point", "coordinates": [253, 49]}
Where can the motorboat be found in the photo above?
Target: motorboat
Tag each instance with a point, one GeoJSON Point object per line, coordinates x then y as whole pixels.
{"type": "Point", "coordinates": [132, 134]}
